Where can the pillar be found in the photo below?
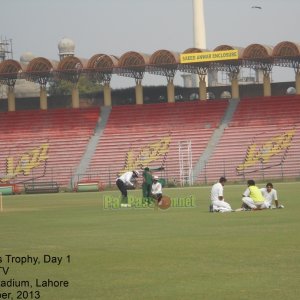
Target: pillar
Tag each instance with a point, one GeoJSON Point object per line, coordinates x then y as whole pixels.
{"type": "Point", "coordinates": [107, 94]}
{"type": "Point", "coordinates": [171, 91]}
{"type": "Point", "coordinates": [235, 92]}
{"type": "Point", "coordinates": [11, 98]}
{"type": "Point", "coordinates": [43, 98]}
{"type": "Point", "coordinates": [297, 79]}
{"type": "Point", "coordinates": [139, 92]}
{"type": "Point", "coordinates": [267, 84]}
{"type": "Point", "coordinates": [75, 96]}
{"type": "Point", "coordinates": [202, 87]}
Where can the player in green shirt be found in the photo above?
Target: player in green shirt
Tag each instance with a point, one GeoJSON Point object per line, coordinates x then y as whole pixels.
{"type": "Point", "coordinates": [147, 183]}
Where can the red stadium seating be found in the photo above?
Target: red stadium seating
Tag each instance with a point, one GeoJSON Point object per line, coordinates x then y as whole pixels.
{"type": "Point", "coordinates": [136, 127]}
{"type": "Point", "coordinates": [258, 121]}
{"type": "Point", "coordinates": [45, 145]}
{"type": "Point", "coordinates": [48, 145]}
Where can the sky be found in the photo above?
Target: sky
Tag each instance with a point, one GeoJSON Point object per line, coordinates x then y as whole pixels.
{"type": "Point", "coordinates": [114, 27]}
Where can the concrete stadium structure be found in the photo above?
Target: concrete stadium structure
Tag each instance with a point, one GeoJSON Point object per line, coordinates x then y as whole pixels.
{"type": "Point", "coordinates": [101, 67]}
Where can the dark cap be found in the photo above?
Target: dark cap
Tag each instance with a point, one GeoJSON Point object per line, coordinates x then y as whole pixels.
{"type": "Point", "coordinates": [251, 182]}
{"type": "Point", "coordinates": [222, 179]}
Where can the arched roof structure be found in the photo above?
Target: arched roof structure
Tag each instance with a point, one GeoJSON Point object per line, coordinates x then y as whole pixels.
{"type": "Point", "coordinates": [100, 67]}
{"type": "Point", "coordinates": [162, 62]}
{"type": "Point", "coordinates": [257, 51]}
{"type": "Point", "coordinates": [286, 49]}
{"type": "Point", "coordinates": [287, 54]}
{"type": "Point", "coordinates": [39, 70]}
{"type": "Point", "coordinates": [133, 64]}
{"type": "Point", "coordinates": [257, 56]}
{"type": "Point", "coordinates": [9, 71]}
{"type": "Point", "coordinates": [164, 57]}
{"type": "Point", "coordinates": [69, 69]}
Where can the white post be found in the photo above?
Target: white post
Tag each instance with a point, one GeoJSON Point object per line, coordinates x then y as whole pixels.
{"type": "Point", "coordinates": [199, 31]}
{"type": "Point", "coordinates": [1, 204]}
{"type": "Point", "coordinates": [199, 25]}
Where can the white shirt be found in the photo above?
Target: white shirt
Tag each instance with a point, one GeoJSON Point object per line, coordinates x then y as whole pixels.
{"type": "Point", "coordinates": [246, 193]}
{"type": "Point", "coordinates": [156, 188]}
{"type": "Point", "coordinates": [269, 196]}
{"type": "Point", "coordinates": [216, 192]}
{"type": "Point", "coordinates": [126, 177]}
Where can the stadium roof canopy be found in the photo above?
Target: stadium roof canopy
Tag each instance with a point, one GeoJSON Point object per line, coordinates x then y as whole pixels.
{"type": "Point", "coordinates": [132, 64]}
{"type": "Point", "coordinates": [9, 71]}
{"type": "Point", "coordinates": [39, 70]}
{"type": "Point", "coordinates": [101, 67]}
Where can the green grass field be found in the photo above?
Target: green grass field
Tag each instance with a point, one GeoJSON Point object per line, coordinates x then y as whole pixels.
{"type": "Point", "coordinates": [180, 253]}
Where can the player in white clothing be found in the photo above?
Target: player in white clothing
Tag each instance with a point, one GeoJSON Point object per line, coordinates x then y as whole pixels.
{"type": "Point", "coordinates": [156, 189]}
{"type": "Point", "coordinates": [217, 197]}
{"type": "Point", "coordinates": [124, 182]}
{"type": "Point", "coordinates": [270, 194]}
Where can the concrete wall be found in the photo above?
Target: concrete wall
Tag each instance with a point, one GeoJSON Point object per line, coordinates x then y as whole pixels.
{"type": "Point", "coordinates": [152, 94]}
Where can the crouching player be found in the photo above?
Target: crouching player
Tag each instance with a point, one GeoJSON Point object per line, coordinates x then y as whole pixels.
{"type": "Point", "coordinates": [156, 190]}
{"type": "Point", "coordinates": [125, 182]}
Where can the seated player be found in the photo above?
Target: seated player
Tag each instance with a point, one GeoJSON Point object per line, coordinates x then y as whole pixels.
{"type": "Point", "coordinates": [253, 198]}
{"type": "Point", "coordinates": [270, 194]}
{"type": "Point", "coordinates": [218, 204]}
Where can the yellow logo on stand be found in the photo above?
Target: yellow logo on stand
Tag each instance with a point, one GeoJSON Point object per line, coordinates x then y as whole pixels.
{"type": "Point", "coordinates": [147, 154]}
{"type": "Point", "coordinates": [28, 161]}
{"type": "Point", "coordinates": [263, 154]}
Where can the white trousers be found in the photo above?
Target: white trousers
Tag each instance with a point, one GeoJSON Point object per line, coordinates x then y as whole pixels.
{"type": "Point", "coordinates": [221, 205]}
{"type": "Point", "coordinates": [251, 203]}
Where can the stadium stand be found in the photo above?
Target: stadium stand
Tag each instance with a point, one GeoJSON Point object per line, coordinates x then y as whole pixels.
{"type": "Point", "coordinates": [44, 145]}
{"type": "Point", "coordinates": [262, 141]}
{"type": "Point", "coordinates": [139, 134]}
